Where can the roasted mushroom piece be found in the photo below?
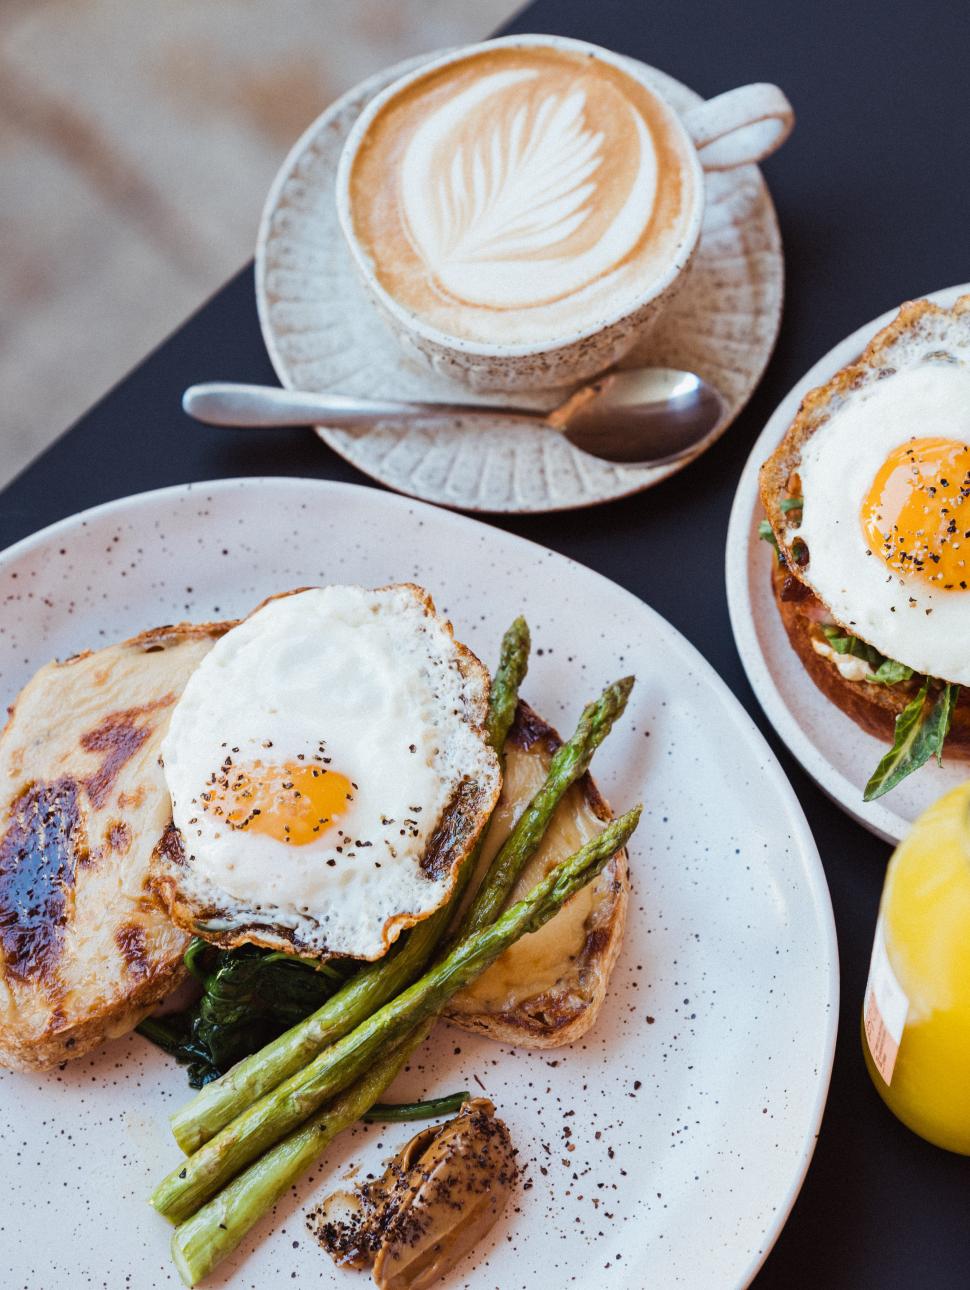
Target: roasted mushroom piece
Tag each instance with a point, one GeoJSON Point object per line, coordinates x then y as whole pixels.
{"type": "Point", "coordinates": [436, 1199]}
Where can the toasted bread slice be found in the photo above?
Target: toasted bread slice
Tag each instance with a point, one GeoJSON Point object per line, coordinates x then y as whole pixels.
{"type": "Point", "coordinates": [548, 988]}
{"type": "Point", "coordinates": [873, 707]}
{"type": "Point", "coordinates": [84, 950]}
{"type": "Point", "coordinates": [919, 325]}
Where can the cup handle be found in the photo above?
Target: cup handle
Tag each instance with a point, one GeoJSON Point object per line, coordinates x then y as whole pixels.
{"type": "Point", "coordinates": [740, 127]}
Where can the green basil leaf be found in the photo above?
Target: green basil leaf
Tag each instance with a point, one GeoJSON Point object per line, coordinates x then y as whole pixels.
{"type": "Point", "coordinates": [921, 729]}
{"type": "Point", "coordinates": [889, 672]}
{"type": "Point", "coordinates": [843, 644]}
{"type": "Point", "coordinates": [946, 703]}
{"type": "Point", "coordinates": [791, 504]}
{"type": "Point", "coordinates": [836, 638]}
{"type": "Point", "coordinates": [766, 534]}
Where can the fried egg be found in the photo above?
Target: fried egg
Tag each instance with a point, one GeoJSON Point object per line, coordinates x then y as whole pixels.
{"type": "Point", "coordinates": [328, 770]}
{"type": "Point", "coordinates": [886, 514]}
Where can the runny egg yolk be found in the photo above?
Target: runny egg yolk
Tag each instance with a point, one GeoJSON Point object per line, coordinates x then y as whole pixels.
{"type": "Point", "coordinates": [294, 802]}
{"type": "Point", "coordinates": [916, 515]}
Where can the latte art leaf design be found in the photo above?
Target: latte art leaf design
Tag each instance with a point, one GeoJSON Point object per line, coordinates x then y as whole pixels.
{"type": "Point", "coordinates": [506, 191]}
{"type": "Point", "coordinates": [522, 188]}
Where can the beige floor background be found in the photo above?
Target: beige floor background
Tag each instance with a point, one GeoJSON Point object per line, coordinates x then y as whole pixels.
{"type": "Point", "coordinates": [137, 141]}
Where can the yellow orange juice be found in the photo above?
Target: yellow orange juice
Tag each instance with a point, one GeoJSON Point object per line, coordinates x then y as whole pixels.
{"type": "Point", "coordinates": [916, 1013]}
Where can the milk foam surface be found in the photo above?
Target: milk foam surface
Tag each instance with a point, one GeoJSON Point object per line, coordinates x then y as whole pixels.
{"type": "Point", "coordinates": [520, 194]}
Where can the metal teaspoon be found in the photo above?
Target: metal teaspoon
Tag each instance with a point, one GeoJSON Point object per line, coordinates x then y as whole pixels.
{"type": "Point", "coordinates": [643, 416]}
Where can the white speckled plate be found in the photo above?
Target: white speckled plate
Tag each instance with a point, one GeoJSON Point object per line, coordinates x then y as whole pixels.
{"type": "Point", "coordinates": [838, 755]}
{"type": "Point", "coordinates": [667, 1147]}
{"type": "Point", "coordinates": [323, 333]}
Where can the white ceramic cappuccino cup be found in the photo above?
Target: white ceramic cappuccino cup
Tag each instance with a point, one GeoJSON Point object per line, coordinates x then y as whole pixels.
{"type": "Point", "coordinates": [735, 129]}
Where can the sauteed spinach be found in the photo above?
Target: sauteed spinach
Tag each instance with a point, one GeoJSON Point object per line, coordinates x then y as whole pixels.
{"type": "Point", "coordinates": [249, 996]}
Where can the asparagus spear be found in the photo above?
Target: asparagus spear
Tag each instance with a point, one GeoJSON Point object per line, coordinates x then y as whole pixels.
{"type": "Point", "coordinates": [503, 697]}
{"type": "Point", "coordinates": [297, 1098]}
{"type": "Point", "coordinates": [203, 1240]}
{"type": "Point", "coordinates": [216, 1229]}
{"type": "Point", "coordinates": [219, 1102]}
{"type": "Point", "coordinates": [568, 764]}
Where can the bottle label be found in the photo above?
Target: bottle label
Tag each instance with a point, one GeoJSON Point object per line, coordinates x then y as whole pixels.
{"type": "Point", "coordinates": [885, 1010]}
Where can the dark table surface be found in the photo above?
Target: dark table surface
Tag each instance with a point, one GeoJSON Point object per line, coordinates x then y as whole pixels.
{"type": "Point", "coordinates": [873, 196]}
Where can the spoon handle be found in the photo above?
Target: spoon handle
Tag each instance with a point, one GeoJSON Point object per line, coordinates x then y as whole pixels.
{"type": "Point", "coordinates": [224, 403]}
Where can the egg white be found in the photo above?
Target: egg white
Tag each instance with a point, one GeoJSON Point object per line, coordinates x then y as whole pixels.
{"type": "Point", "coordinates": [905, 618]}
{"type": "Point", "coordinates": [373, 675]}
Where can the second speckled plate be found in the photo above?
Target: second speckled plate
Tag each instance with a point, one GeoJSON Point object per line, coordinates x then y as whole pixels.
{"type": "Point", "coordinates": [323, 333]}
{"type": "Point", "coordinates": [668, 1145]}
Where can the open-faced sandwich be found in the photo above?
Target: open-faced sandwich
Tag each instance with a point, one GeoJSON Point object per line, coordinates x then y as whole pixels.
{"type": "Point", "coordinates": [867, 500]}
{"type": "Point", "coordinates": [331, 816]}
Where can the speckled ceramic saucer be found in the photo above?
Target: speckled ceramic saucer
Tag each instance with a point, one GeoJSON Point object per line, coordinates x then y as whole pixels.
{"type": "Point", "coordinates": [323, 333]}
{"type": "Point", "coordinates": [667, 1146]}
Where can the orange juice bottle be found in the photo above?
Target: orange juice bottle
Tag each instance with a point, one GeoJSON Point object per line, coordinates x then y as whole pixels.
{"type": "Point", "coordinates": [916, 1013]}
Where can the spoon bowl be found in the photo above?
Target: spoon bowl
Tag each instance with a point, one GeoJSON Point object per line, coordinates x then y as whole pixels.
{"type": "Point", "coordinates": [643, 416]}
